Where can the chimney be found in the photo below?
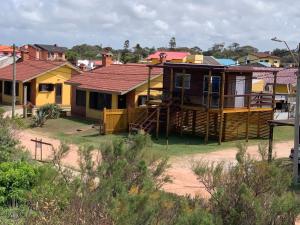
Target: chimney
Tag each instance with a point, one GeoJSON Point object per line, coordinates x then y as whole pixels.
{"type": "Point", "coordinates": [162, 57]}
{"type": "Point", "coordinates": [24, 54]}
{"type": "Point", "coordinates": [107, 59]}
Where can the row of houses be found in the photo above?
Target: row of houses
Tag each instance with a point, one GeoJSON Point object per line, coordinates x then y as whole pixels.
{"type": "Point", "coordinates": [173, 92]}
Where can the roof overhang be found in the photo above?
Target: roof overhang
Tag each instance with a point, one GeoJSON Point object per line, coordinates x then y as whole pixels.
{"type": "Point", "coordinates": [55, 68]}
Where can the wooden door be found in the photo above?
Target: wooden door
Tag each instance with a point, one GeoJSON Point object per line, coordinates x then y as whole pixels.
{"type": "Point", "coordinates": [58, 93]}
{"type": "Point", "coordinates": [239, 90]}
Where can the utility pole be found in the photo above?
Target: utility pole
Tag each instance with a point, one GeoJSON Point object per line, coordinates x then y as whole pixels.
{"type": "Point", "coordinates": [14, 83]}
{"type": "Point", "coordinates": [296, 126]}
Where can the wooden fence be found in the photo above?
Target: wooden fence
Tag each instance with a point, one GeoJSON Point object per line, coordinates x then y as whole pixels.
{"type": "Point", "coordinates": [117, 120]}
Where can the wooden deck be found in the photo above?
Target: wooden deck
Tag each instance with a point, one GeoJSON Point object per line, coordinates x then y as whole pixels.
{"type": "Point", "coordinates": [226, 110]}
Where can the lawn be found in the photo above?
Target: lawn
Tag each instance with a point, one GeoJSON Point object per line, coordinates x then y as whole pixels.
{"type": "Point", "coordinates": [81, 132]}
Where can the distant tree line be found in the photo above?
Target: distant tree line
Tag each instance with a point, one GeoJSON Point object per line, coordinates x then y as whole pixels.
{"type": "Point", "coordinates": [137, 53]}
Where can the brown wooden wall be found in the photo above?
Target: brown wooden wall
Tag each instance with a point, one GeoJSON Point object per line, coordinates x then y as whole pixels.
{"type": "Point", "coordinates": [75, 109]}
{"type": "Point", "coordinates": [197, 79]}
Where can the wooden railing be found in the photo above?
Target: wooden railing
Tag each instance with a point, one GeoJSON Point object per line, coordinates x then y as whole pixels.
{"type": "Point", "coordinates": [253, 100]}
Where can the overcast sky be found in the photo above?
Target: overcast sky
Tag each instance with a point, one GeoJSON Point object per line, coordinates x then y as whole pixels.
{"type": "Point", "coordinates": [150, 23]}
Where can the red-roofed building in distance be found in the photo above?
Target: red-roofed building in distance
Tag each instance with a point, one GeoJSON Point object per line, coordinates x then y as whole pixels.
{"type": "Point", "coordinates": [174, 57]}
{"type": "Point", "coordinates": [6, 50]}
{"type": "Point", "coordinates": [113, 87]}
{"type": "Point", "coordinates": [44, 52]}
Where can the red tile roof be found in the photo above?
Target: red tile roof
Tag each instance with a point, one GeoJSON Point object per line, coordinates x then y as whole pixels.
{"type": "Point", "coordinates": [284, 76]}
{"type": "Point", "coordinates": [6, 48]}
{"type": "Point", "coordinates": [170, 55]}
{"type": "Point", "coordinates": [264, 55]}
{"type": "Point", "coordinates": [116, 78]}
{"type": "Point", "coordinates": [29, 69]}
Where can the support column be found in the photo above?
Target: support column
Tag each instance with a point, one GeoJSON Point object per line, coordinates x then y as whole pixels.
{"type": "Point", "coordinates": [248, 117]}
{"type": "Point", "coordinates": [171, 87]}
{"type": "Point", "coordinates": [157, 122]}
{"type": "Point", "coordinates": [222, 107]}
{"type": "Point", "coordinates": [182, 101]}
{"type": "Point", "coordinates": [274, 93]}
{"type": "Point", "coordinates": [25, 101]}
{"type": "Point", "coordinates": [194, 122]}
{"type": "Point", "coordinates": [271, 127]}
{"type": "Point", "coordinates": [208, 106]}
{"type": "Point", "coordinates": [148, 84]}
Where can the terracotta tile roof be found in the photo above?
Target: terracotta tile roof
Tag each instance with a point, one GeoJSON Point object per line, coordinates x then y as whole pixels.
{"type": "Point", "coordinates": [264, 55]}
{"type": "Point", "coordinates": [284, 76]}
{"type": "Point", "coordinates": [6, 48]}
{"type": "Point", "coordinates": [170, 55]}
{"type": "Point", "coordinates": [29, 69]}
{"type": "Point", "coordinates": [116, 78]}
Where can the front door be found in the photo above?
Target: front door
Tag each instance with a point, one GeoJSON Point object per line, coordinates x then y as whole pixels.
{"type": "Point", "coordinates": [58, 93]}
{"type": "Point", "coordinates": [239, 90]}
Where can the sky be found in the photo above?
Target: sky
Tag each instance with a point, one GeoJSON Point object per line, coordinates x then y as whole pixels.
{"type": "Point", "coordinates": [150, 23]}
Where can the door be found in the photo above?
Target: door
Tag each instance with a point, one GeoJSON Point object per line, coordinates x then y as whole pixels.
{"type": "Point", "coordinates": [28, 91]}
{"type": "Point", "coordinates": [58, 93]}
{"type": "Point", "coordinates": [239, 90]}
{"type": "Point", "coordinates": [122, 102]}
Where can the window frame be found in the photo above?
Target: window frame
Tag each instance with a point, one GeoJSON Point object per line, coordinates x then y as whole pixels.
{"type": "Point", "coordinates": [96, 103]}
{"type": "Point", "coordinates": [185, 75]}
{"type": "Point", "coordinates": [214, 94]}
{"type": "Point", "coordinates": [50, 87]}
{"type": "Point", "coordinates": [82, 100]}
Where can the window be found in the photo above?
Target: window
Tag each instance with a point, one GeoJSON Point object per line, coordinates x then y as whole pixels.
{"type": "Point", "coordinates": [179, 78]}
{"type": "Point", "coordinates": [142, 100]}
{"type": "Point", "coordinates": [122, 102]}
{"type": "Point", "coordinates": [215, 90]}
{"type": "Point", "coordinates": [100, 100]}
{"type": "Point", "coordinates": [80, 98]}
{"type": "Point", "coordinates": [266, 60]}
{"type": "Point", "coordinates": [275, 61]}
{"type": "Point", "coordinates": [8, 88]}
{"type": "Point", "coordinates": [46, 87]}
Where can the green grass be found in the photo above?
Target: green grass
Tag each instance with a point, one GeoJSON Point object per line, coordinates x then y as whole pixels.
{"type": "Point", "coordinates": [80, 132]}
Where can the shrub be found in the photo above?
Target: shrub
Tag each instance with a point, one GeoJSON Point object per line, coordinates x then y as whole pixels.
{"type": "Point", "coordinates": [39, 119]}
{"type": "Point", "coordinates": [16, 181]}
{"type": "Point", "coordinates": [249, 192]}
{"type": "Point", "coordinates": [52, 111]}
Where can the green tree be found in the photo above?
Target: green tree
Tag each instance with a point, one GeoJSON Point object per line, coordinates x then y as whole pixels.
{"type": "Point", "coordinates": [126, 44]}
{"type": "Point", "coordinates": [172, 43]}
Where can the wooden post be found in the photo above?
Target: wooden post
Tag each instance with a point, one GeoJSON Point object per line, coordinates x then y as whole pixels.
{"type": "Point", "coordinates": [274, 93]}
{"type": "Point", "coordinates": [171, 83]}
{"type": "Point", "coordinates": [149, 83]}
{"type": "Point", "coordinates": [104, 120]}
{"type": "Point", "coordinates": [25, 102]}
{"type": "Point", "coordinates": [35, 149]}
{"type": "Point", "coordinates": [41, 149]}
{"type": "Point", "coordinates": [168, 122]}
{"type": "Point", "coordinates": [270, 142]}
{"type": "Point", "coordinates": [222, 108]}
{"type": "Point", "coordinates": [248, 117]}
{"type": "Point", "coordinates": [182, 101]}
{"type": "Point", "coordinates": [157, 122]}
{"type": "Point", "coordinates": [208, 106]}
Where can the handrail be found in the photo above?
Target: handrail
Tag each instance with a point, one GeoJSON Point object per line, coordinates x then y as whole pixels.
{"type": "Point", "coordinates": [148, 118]}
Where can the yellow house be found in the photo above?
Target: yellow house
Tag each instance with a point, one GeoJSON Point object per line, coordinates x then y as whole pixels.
{"type": "Point", "coordinates": [113, 86]}
{"type": "Point", "coordinates": [174, 57]}
{"type": "Point", "coordinates": [260, 57]}
{"type": "Point", "coordinates": [41, 82]}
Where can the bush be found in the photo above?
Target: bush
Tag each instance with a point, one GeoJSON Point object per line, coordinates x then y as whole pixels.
{"type": "Point", "coordinates": [52, 111]}
{"type": "Point", "coordinates": [48, 111]}
{"type": "Point", "coordinates": [16, 181]}
{"type": "Point", "coordinates": [250, 192]}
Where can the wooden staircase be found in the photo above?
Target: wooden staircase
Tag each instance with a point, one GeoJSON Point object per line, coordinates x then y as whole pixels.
{"type": "Point", "coordinates": [156, 114]}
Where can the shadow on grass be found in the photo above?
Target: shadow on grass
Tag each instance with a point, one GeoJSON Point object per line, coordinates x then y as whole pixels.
{"type": "Point", "coordinates": [78, 119]}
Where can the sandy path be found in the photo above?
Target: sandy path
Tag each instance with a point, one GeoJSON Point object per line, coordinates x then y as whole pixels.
{"type": "Point", "coordinates": [184, 181]}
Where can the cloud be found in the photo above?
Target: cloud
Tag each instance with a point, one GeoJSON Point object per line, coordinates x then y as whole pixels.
{"type": "Point", "coordinates": [150, 23]}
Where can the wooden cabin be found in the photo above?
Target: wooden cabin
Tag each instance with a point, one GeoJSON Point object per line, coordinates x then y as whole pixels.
{"type": "Point", "coordinates": [211, 101]}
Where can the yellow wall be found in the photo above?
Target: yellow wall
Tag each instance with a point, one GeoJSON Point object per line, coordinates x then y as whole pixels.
{"type": "Point", "coordinates": [142, 90]}
{"type": "Point", "coordinates": [255, 59]}
{"type": "Point", "coordinates": [282, 89]}
{"type": "Point", "coordinates": [57, 76]}
{"type": "Point", "coordinates": [258, 85]}
{"type": "Point", "coordinates": [7, 99]}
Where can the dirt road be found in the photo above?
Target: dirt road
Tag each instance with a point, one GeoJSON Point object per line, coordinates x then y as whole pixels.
{"type": "Point", "coordinates": [184, 181]}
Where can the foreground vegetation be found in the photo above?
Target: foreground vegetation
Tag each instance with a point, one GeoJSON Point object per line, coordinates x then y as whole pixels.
{"type": "Point", "coordinates": [124, 188]}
